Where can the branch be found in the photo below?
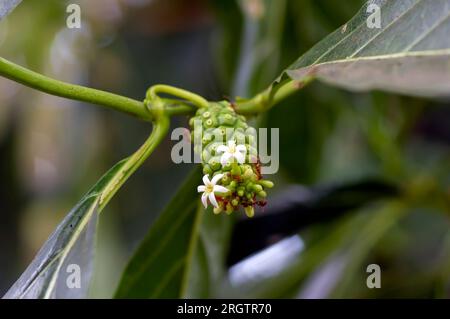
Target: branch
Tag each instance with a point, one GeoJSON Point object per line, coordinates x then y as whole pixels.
{"type": "Point", "coordinates": [273, 95]}
{"type": "Point", "coordinates": [43, 83]}
{"type": "Point", "coordinates": [160, 128]}
{"type": "Point", "coordinates": [143, 110]}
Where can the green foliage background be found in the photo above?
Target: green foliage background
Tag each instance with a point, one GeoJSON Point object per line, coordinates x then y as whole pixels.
{"type": "Point", "coordinates": [52, 150]}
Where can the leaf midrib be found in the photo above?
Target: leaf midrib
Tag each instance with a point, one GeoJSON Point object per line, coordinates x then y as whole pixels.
{"type": "Point", "coordinates": [429, 53]}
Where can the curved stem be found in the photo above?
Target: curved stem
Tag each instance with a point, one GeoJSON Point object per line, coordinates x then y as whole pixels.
{"type": "Point", "coordinates": [180, 109]}
{"type": "Point", "coordinates": [174, 107]}
{"type": "Point", "coordinates": [260, 103]}
{"type": "Point", "coordinates": [132, 163]}
{"type": "Point", "coordinates": [196, 99]}
{"type": "Point", "coordinates": [43, 83]}
{"type": "Point", "coordinates": [271, 96]}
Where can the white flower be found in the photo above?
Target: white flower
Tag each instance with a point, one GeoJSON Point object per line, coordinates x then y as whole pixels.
{"type": "Point", "coordinates": [232, 151]}
{"type": "Point", "coordinates": [210, 188]}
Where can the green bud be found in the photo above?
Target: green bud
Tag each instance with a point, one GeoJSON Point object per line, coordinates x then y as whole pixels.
{"type": "Point", "coordinates": [249, 186]}
{"type": "Point", "coordinates": [235, 170]}
{"type": "Point", "coordinates": [207, 169]}
{"type": "Point", "coordinates": [225, 179]}
{"type": "Point", "coordinates": [214, 163]}
{"type": "Point", "coordinates": [227, 167]}
{"type": "Point", "coordinates": [206, 115]}
{"type": "Point", "coordinates": [206, 156]}
{"type": "Point", "coordinates": [266, 183]}
{"type": "Point", "coordinates": [227, 119]}
{"type": "Point", "coordinates": [206, 138]}
{"type": "Point", "coordinates": [257, 188]}
{"type": "Point", "coordinates": [249, 211]}
{"type": "Point", "coordinates": [249, 175]}
{"type": "Point", "coordinates": [262, 194]}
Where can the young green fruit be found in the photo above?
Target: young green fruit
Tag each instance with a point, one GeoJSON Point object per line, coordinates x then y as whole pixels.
{"type": "Point", "coordinates": [226, 145]}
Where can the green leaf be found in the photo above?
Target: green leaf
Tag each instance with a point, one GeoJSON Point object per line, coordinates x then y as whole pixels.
{"type": "Point", "coordinates": [181, 255]}
{"type": "Point", "coordinates": [409, 54]}
{"type": "Point", "coordinates": [72, 243]}
{"type": "Point", "coordinates": [259, 53]}
{"type": "Point", "coordinates": [208, 262]}
{"type": "Point", "coordinates": [324, 263]}
{"type": "Point", "coordinates": [6, 6]}
{"type": "Point", "coordinates": [345, 261]}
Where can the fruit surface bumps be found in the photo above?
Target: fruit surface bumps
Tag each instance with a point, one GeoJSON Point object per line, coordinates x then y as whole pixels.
{"type": "Point", "coordinates": [213, 126]}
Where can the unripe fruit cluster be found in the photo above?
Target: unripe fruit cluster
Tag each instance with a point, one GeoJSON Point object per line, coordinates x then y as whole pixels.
{"type": "Point", "coordinates": [216, 125]}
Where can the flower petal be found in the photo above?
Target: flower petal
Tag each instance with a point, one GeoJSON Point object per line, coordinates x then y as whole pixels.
{"type": "Point", "coordinates": [206, 179]}
{"type": "Point", "coordinates": [225, 158]}
{"type": "Point", "coordinates": [205, 200]}
{"type": "Point", "coordinates": [241, 148]}
{"type": "Point", "coordinates": [231, 143]}
{"type": "Point", "coordinates": [212, 199]}
{"type": "Point", "coordinates": [220, 189]}
{"type": "Point", "coordinates": [240, 158]}
{"type": "Point", "coordinates": [222, 149]}
{"type": "Point", "coordinates": [201, 188]}
{"type": "Point", "coordinates": [216, 178]}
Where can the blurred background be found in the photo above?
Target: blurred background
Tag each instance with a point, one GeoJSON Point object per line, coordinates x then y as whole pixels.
{"type": "Point", "coordinates": [364, 178]}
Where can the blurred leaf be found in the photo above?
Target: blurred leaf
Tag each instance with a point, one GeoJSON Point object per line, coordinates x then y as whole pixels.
{"type": "Point", "coordinates": [298, 208]}
{"type": "Point", "coordinates": [260, 44]}
{"type": "Point", "coordinates": [71, 243]}
{"type": "Point", "coordinates": [443, 285]}
{"type": "Point", "coordinates": [208, 262]}
{"type": "Point", "coordinates": [347, 259]}
{"type": "Point", "coordinates": [226, 43]}
{"type": "Point", "coordinates": [306, 23]}
{"type": "Point", "coordinates": [409, 53]}
{"type": "Point", "coordinates": [6, 6]}
{"type": "Point", "coordinates": [349, 240]}
{"type": "Point", "coordinates": [180, 255]}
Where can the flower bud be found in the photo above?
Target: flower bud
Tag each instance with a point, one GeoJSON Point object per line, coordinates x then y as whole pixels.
{"type": "Point", "coordinates": [249, 211]}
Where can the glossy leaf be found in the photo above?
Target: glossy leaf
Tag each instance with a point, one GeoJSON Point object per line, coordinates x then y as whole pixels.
{"type": "Point", "coordinates": [70, 244]}
{"type": "Point", "coordinates": [298, 208]}
{"type": "Point", "coordinates": [208, 261]}
{"type": "Point", "coordinates": [6, 6]}
{"type": "Point", "coordinates": [330, 258]}
{"type": "Point", "coordinates": [409, 53]}
{"type": "Point", "coordinates": [179, 256]}
{"type": "Point", "coordinates": [68, 253]}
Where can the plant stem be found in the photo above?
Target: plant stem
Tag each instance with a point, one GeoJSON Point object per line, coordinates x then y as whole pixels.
{"type": "Point", "coordinates": [196, 99]}
{"type": "Point", "coordinates": [132, 163]}
{"type": "Point", "coordinates": [143, 110]}
{"type": "Point", "coordinates": [43, 83]}
{"type": "Point", "coordinates": [179, 109]}
{"type": "Point", "coordinates": [271, 96]}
